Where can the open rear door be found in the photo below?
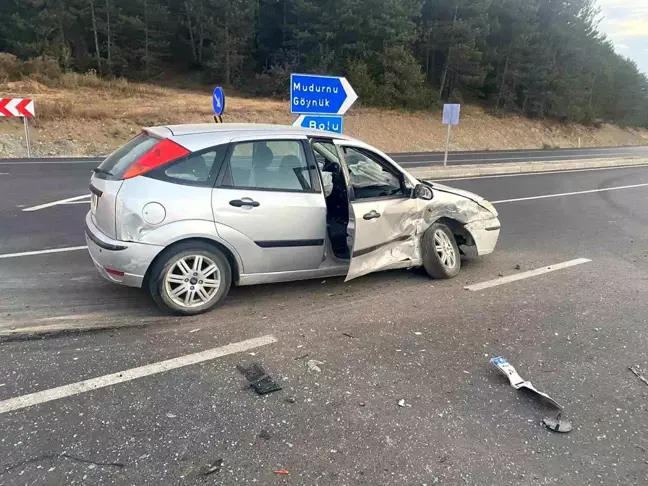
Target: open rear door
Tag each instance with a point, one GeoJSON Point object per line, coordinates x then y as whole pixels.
{"type": "Point", "coordinates": [384, 219]}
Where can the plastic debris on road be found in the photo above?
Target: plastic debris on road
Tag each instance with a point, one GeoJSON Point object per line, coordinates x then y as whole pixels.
{"type": "Point", "coordinates": [558, 424]}
{"type": "Point", "coordinates": [313, 365]}
{"type": "Point", "coordinates": [259, 379]}
{"type": "Point", "coordinates": [517, 382]}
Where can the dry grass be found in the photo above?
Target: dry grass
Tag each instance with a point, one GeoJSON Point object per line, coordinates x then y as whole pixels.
{"type": "Point", "coordinates": [100, 115]}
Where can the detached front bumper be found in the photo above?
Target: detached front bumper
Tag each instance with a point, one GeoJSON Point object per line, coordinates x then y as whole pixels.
{"type": "Point", "coordinates": [485, 235]}
{"type": "Point", "coordinates": [112, 257]}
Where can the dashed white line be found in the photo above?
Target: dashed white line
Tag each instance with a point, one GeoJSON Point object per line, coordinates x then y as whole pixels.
{"type": "Point", "coordinates": [524, 275]}
{"type": "Point", "coordinates": [522, 174]}
{"type": "Point", "coordinates": [44, 396]}
{"type": "Point", "coordinates": [56, 203]}
{"type": "Point", "coordinates": [547, 196]}
{"type": "Point", "coordinates": [43, 252]}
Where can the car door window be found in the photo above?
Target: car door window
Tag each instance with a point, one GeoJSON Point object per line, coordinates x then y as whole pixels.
{"type": "Point", "coordinates": [279, 165]}
{"type": "Point", "coordinates": [369, 175]}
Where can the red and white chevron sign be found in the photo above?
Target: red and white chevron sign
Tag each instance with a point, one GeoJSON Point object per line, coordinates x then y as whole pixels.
{"type": "Point", "coordinates": [22, 107]}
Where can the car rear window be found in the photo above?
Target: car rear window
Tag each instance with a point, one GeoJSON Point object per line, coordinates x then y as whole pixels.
{"type": "Point", "coordinates": [120, 160]}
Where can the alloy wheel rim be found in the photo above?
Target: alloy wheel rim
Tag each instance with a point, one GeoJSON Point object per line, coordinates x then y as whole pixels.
{"type": "Point", "coordinates": [444, 249]}
{"type": "Point", "coordinates": [192, 281]}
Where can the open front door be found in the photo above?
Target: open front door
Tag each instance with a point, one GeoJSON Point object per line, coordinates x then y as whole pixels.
{"type": "Point", "coordinates": [384, 219]}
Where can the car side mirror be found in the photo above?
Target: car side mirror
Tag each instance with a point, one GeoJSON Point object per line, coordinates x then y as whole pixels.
{"type": "Point", "coordinates": [421, 191]}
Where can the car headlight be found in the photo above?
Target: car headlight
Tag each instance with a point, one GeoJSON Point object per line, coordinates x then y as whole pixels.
{"type": "Point", "coordinates": [489, 207]}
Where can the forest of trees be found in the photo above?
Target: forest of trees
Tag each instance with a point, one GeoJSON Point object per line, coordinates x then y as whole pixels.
{"type": "Point", "coordinates": [541, 58]}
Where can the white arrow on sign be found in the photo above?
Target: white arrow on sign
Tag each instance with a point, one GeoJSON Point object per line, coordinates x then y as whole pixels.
{"type": "Point", "coordinates": [218, 101]}
{"type": "Point", "coordinates": [352, 96]}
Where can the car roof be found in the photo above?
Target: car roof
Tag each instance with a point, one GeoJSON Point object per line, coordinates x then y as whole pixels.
{"type": "Point", "coordinates": [230, 130]}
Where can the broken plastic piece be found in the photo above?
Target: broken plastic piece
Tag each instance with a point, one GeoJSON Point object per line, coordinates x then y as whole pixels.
{"type": "Point", "coordinates": [558, 424]}
{"type": "Point", "coordinates": [212, 468]}
{"type": "Point", "coordinates": [259, 379]}
{"type": "Point", "coordinates": [282, 472]}
{"type": "Point", "coordinates": [517, 382]}
{"type": "Point", "coordinates": [313, 365]}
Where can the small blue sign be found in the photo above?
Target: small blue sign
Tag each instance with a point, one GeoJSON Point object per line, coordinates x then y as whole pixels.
{"type": "Point", "coordinates": [318, 122]}
{"type": "Point", "coordinates": [320, 95]}
{"type": "Point", "coordinates": [451, 114]}
{"type": "Point", "coordinates": [218, 101]}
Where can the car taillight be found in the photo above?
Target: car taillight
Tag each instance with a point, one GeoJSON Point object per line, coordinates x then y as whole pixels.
{"type": "Point", "coordinates": [165, 151]}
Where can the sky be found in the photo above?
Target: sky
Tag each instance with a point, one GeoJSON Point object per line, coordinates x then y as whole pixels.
{"type": "Point", "coordinates": [626, 24]}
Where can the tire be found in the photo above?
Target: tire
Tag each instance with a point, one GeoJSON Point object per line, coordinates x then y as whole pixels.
{"type": "Point", "coordinates": [171, 280]}
{"type": "Point", "coordinates": [441, 257]}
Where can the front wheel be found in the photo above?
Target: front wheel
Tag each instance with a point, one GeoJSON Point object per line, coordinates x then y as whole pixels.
{"type": "Point", "coordinates": [191, 278]}
{"type": "Point", "coordinates": [441, 258]}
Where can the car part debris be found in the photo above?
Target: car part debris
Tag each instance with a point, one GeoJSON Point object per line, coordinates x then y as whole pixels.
{"type": "Point", "coordinates": [259, 379]}
{"type": "Point", "coordinates": [516, 380]}
{"type": "Point", "coordinates": [265, 435]}
{"type": "Point", "coordinates": [281, 472]}
{"type": "Point", "coordinates": [558, 424]}
{"type": "Point", "coordinates": [212, 468]}
{"type": "Point", "coordinates": [638, 374]}
{"type": "Point", "coordinates": [313, 365]}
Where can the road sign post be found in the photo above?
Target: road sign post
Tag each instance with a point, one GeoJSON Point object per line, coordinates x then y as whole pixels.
{"type": "Point", "coordinates": [320, 100]}
{"type": "Point", "coordinates": [19, 108]}
{"type": "Point", "coordinates": [218, 104]}
{"type": "Point", "coordinates": [451, 114]}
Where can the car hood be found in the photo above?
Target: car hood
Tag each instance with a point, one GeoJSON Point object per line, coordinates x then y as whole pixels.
{"type": "Point", "coordinates": [458, 192]}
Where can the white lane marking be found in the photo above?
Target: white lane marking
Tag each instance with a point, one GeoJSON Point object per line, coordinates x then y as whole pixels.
{"type": "Point", "coordinates": [524, 275]}
{"type": "Point", "coordinates": [522, 174]}
{"type": "Point", "coordinates": [75, 202]}
{"type": "Point", "coordinates": [4, 173]}
{"type": "Point", "coordinates": [44, 396]}
{"type": "Point", "coordinates": [546, 196]}
{"type": "Point", "coordinates": [56, 203]}
{"type": "Point", "coordinates": [43, 252]}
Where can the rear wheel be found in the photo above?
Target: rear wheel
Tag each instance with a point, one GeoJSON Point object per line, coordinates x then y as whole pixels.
{"type": "Point", "coordinates": [441, 257]}
{"type": "Point", "coordinates": [191, 278]}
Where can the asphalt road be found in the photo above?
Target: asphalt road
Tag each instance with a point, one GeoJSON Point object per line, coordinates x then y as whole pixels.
{"type": "Point", "coordinates": [422, 159]}
{"type": "Point", "coordinates": [381, 339]}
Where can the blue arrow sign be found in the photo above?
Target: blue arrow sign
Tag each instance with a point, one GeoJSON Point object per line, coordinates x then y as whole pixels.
{"type": "Point", "coordinates": [218, 101]}
{"type": "Point", "coordinates": [318, 122]}
{"type": "Point", "coordinates": [320, 95]}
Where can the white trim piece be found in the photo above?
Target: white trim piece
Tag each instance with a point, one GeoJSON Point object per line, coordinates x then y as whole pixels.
{"type": "Point", "coordinates": [55, 203]}
{"type": "Point", "coordinates": [44, 396]}
{"type": "Point", "coordinates": [43, 252]}
{"type": "Point", "coordinates": [546, 196]}
{"type": "Point", "coordinates": [524, 275]}
{"type": "Point", "coordinates": [351, 98]}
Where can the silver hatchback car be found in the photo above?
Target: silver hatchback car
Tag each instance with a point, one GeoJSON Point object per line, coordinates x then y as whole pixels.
{"type": "Point", "coordinates": [188, 210]}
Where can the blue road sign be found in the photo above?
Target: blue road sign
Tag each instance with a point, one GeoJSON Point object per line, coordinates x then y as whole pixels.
{"type": "Point", "coordinates": [318, 122]}
{"type": "Point", "coordinates": [320, 95]}
{"type": "Point", "coordinates": [218, 101]}
{"type": "Point", "coordinates": [451, 114]}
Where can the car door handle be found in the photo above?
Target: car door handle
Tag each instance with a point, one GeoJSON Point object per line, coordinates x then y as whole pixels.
{"type": "Point", "coordinates": [246, 201]}
{"type": "Point", "coordinates": [371, 215]}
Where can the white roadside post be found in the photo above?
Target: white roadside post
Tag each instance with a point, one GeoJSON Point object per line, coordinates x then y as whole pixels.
{"type": "Point", "coordinates": [451, 118]}
{"type": "Point", "coordinates": [22, 108]}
